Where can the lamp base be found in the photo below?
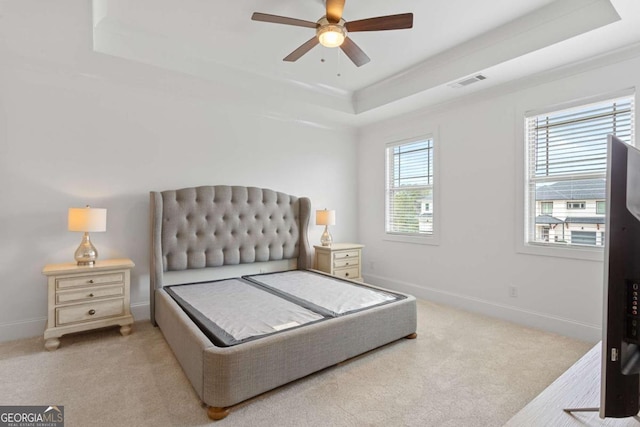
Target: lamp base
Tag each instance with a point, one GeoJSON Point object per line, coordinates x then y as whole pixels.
{"type": "Point", "coordinates": [86, 263]}
{"type": "Point", "coordinates": [326, 238]}
{"type": "Point", "coordinates": [86, 254]}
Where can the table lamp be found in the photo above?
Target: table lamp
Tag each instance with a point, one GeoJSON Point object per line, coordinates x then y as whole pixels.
{"type": "Point", "coordinates": [86, 220]}
{"type": "Point", "coordinates": [326, 217]}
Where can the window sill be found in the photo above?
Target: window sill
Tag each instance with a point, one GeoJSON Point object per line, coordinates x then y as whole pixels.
{"type": "Point", "coordinates": [431, 240]}
{"type": "Point", "coordinates": [587, 254]}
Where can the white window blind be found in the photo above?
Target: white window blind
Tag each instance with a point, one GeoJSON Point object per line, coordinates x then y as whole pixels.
{"type": "Point", "coordinates": [566, 168]}
{"type": "Point", "coordinates": [409, 188]}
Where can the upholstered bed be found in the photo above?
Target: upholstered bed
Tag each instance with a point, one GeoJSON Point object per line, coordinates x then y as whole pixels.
{"type": "Point", "coordinates": [211, 233]}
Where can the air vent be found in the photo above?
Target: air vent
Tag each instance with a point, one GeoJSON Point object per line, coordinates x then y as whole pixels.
{"type": "Point", "coordinates": [467, 81]}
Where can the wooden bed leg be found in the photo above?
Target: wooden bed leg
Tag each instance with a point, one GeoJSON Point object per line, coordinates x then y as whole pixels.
{"type": "Point", "coordinates": [412, 336]}
{"type": "Point", "coordinates": [216, 413]}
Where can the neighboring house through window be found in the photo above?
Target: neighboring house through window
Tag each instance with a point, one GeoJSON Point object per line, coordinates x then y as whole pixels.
{"type": "Point", "coordinates": [409, 188]}
{"type": "Point", "coordinates": [566, 162]}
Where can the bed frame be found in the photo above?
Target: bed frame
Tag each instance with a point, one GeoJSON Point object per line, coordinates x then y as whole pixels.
{"type": "Point", "coordinates": [215, 232]}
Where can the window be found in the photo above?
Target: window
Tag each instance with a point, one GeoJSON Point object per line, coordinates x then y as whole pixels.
{"type": "Point", "coordinates": [576, 205]}
{"type": "Point", "coordinates": [409, 188]}
{"type": "Point", "coordinates": [566, 163]}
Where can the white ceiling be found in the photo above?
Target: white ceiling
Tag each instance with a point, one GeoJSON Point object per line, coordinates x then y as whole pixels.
{"type": "Point", "coordinates": [450, 40]}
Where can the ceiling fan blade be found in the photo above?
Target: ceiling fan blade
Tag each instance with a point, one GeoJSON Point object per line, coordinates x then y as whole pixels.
{"type": "Point", "coordinates": [334, 10]}
{"type": "Point", "coordinates": [296, 54]}
{"type": "Point", "coordinates": [264, 17]}
{"type": "Point", "coordinates": [354, 52]}
{"type": "Point", "coordinates": [390, 22]}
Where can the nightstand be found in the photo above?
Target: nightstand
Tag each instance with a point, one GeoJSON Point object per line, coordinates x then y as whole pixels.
{"type": "Point", "coordinates": [340, 259]}
{"type": "Point", "coordinates": [83, 298]}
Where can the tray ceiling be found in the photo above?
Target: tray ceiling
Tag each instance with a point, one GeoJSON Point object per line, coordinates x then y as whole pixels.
{"type": "Point", "coordinates": [451, 40]}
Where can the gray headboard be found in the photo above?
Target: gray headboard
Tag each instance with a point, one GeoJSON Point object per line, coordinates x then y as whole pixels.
{"type": "Point", "coordinates": [216, 226]}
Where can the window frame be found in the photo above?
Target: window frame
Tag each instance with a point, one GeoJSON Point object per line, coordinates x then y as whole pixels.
{"type": "Point", "coordinates": [523, 202]}
{"type": "Point", "coordinates": [415, 238]}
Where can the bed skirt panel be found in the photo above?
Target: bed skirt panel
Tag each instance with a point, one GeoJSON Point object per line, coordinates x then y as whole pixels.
{"type": "Point", "coordinates": [186, 340]}
{"type": "Point", "coordinates": [234, 374]}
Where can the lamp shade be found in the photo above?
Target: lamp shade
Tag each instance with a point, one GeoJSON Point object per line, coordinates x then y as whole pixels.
{"type": "Point", "coordinates": [326, 217]}
{"type": "Point", "coordinates": [87, 219]}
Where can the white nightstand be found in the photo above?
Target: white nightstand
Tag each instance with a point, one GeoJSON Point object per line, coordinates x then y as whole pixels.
{"type": "Point", "coordinates": [340, 259]}
{"type": "Point", "coordinates": [82, 298]}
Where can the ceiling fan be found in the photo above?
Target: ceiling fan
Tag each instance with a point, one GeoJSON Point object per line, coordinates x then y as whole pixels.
{"type": "Point", "coordinates": [331, 30]}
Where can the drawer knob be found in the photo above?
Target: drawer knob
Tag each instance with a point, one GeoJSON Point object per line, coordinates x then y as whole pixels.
{"type": "Point", "coordinates": [346, 274]}
{"type": "Point", "coordinates": [92, 312]}
{"type": "Point", "coordinates": [347, 263]}
{"type": "Point", "coordinates": [347, 255]}
{"type": "Point", "coordinates": [90, 281]}
{"type": "Point", "coordinates": [90, 295]}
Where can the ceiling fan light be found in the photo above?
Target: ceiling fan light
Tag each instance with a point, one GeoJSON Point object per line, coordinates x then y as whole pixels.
{"type": "Point", "coordinates": [331, 35]}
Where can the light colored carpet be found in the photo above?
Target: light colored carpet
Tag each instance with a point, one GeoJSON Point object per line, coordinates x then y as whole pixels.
{"type": "Point", "coordinates": [463, 370]}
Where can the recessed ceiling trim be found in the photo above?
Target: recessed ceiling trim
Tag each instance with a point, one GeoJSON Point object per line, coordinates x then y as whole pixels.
{"type": "Point", "coordinates": [112, 38]}
{"type": "Point", "coordinates": [546, 26]}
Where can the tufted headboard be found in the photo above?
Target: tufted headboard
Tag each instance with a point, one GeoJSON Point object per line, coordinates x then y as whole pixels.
{"type": "Point", "coordinates": [200, 228]}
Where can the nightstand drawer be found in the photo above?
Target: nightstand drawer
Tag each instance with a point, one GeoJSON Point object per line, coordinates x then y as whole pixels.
{"type": "Point", "coordinates": [89, 311]}
{"type": "Point", "coordinates": [345, 254]}
{"type": "Point", "coordinates": [89, 293]}
{"type": "Point", "coordinates": [94, 279]}
{"type": "Point", "coordinates": [347, 273]}
{"type": "Point", "coordinates": [345, 262]}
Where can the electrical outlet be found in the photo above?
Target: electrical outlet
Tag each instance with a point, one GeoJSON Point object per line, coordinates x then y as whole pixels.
{"type": "Point", "coordinates": [513, 292]}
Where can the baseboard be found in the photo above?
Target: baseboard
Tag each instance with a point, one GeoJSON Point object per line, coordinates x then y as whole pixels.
{"type": "Point", "coordinates": [568, 327]}
{"type": "Point", "coordinates": [35, 327]}
{"type": "Point", "coordinates": [538, 320]}
{"type": "Point", "coordinates": [140, 311]}
{"type": "Point", "coordinates": [22, 329]}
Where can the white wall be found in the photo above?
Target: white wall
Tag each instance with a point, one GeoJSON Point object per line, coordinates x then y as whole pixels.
{"type": "Point", "coordinates": [80, 128]}
{"type": "Point", "coordinates": [479, 171]}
